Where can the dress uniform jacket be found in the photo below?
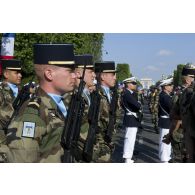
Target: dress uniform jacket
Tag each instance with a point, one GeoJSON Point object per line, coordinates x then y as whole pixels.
{"type": "Point", "coordinates": [165, 104]}
{"type": "Point", "coordinates": [35, 134]}
{"type": "Point", "coordinates": [129, 101]}
{"type": "Point", "coordinates": [6, 100]}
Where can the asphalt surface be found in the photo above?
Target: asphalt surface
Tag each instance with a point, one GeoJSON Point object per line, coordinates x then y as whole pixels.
{"type": "Point", "coordinates": [146, 146]}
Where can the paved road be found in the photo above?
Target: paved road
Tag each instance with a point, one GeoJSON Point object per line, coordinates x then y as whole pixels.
{"type": "Point", "coordinates": [146, 147]}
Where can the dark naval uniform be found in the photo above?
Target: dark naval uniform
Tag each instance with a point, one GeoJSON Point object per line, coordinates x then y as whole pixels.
{"type": "Point", "coordinates": [165, 103]}
{"type": "Point", "coordinates": [164, 110]}
{"type": "Point", "coordinates": [131, 104]}
{"type": "Point", "coordinates": [131, 121]}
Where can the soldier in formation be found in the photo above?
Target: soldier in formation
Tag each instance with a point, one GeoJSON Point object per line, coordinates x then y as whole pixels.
{"type": "Point", "coordinates": [9, 90]}
{"type": "Point", "coordinates": [181, 134]}
{"type": "Point", "coordinates": [35, 133]}
{"type": "Point", "coordinates": [131, 121]}
{"type": "Point", "coordinates": [84, 65]}
{"type": "Point", "coordinates": [38, 132]}
{"type": "Point", "coordinates": [153, 105]}
{"type": "Point", "coordinates": [72, 114]}
{"type": "Point", "coordinates": [106, 75]}
{"type": "Point", "coordinates": [165, 104]}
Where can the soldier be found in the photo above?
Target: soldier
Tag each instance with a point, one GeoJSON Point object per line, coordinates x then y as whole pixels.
{"type": "Point", "coordinates": [103, 148]}
{"type": "Point", "coordinates": [9, 89]}
{"type": "Point", "coordinates": [182, 125]}
{"type": "Point", "coordinates": [140, 91]}
{"type": "Point", "coordinates": [154, 100]}
{"type": "Point", "coordinates": [131, 121]}
{"type": "Point", "coordinates": [165, 104]}
{"type": "Point", "coordinates": [86, 61]}
{"type": "Point", "coordinates": [35, 134]}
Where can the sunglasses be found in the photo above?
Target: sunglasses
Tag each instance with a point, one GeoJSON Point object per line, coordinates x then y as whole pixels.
{"type": "Point", "coordinates": [133, 83]}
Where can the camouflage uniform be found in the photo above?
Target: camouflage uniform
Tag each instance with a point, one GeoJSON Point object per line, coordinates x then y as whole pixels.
{"type": "Point", "coordinates": [35, 134]}
{"type": "Point", "coordinates": [83, 132]}
{"type": "Point", "coordinates": [102, 150]}
{"type": "Point", "coordinates": [6, 100]}
{"type": "Point", "coordinates": [177, 135]}
{"type": "Point", "coordinates": [183, 114]}
{"type": "Point", "coordinates": [188, 122]}
{"type": "Point", "coordinates": [154, 109]}
{"type": "Point", "coordinates": [118, 114]}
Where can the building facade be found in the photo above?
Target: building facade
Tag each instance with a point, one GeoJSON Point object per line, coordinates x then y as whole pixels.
{"type": "Point", "coordinates": [146, 82]}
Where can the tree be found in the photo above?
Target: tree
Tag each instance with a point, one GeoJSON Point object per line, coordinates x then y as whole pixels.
{"type": "Point", "coordinates": [84, 43]}
{"type": "Point", "coordinates": [177, 75]}
{"type": "Point", "coordinates": [123, 72]}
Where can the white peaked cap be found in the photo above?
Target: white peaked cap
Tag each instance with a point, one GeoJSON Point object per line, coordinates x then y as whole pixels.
{"type": "Point", "coordinates": [166, 82]}
{"type": "Point", "coordinates": [129, 80]}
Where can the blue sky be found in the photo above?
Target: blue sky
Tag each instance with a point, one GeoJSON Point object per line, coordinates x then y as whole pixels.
{"type": "Point", "coordinates": [150, 54]}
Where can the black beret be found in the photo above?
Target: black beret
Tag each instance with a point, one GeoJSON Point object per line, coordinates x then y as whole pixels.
{"type": "Point", "coordinates": [105, 66]}
{"type": "Point", "coordinates": [11, 64]}
{"type": "Point", "coordinates": [82, 60]}
{"type": "Point", "coordinates": [188, 71]}
{"type": "Point", "coordinates": [54, 54]}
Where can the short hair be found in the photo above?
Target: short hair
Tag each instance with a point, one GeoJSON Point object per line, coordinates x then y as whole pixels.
{"type": "Point", "coordinates": [39, 70]}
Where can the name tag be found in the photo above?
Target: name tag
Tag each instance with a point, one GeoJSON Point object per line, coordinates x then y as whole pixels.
{"type": "Point", "coordinates": [28, 130]}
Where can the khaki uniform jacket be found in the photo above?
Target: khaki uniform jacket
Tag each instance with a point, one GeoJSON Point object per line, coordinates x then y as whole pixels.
{"type": "Point", "coordinates": [35, 134]}
{"type": "Point", "coordinates": [6, 100]}
{"type": "Point", "coordinates": [103, 114]}
{"type": "Point", "coordinates": [102, 150]}
{"type": "Point", "coordinates": [154, 102]}
{"type": "Point", "coordinates": [84, 126]}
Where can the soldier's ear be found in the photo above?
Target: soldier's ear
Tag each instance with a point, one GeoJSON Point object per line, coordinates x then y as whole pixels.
{"type": "Point", "coordinates": [6, 74]}
{"type": "Point", "coordinates": [78, 74]}
{"type": "Point", "coordinates": [48, 73]}
{"type": "Point", "coordinates": [102, 76]}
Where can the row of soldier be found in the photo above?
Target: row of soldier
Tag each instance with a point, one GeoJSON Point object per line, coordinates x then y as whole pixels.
{"type": "Point", "coordinates": [172, 109]}
{"type": "Point", "coordinates": [71, 115]}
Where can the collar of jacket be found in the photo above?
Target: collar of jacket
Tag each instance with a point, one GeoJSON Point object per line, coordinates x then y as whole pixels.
{"type": "Point", "coordinates": [6, 87]}
{"type": "Point", "coordinates": [102, 92]}
{"type": "Point", "coordinates": [48, 102]}
{"type": "Point", "coordinates": [130, 91]}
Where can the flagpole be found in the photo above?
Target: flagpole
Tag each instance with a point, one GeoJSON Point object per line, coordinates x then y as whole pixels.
{"type": "Point", "coordinates": [7, 48]}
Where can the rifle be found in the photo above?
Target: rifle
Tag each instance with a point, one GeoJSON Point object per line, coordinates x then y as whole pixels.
{"type": "Point", "coordinates": [112, 114]}
{"type": "Point", "coordinates": [23, 95]}
{"type": "Point", "coordinates": [71, 132]}
{"type": "Point", "coordinates": [93, 122]}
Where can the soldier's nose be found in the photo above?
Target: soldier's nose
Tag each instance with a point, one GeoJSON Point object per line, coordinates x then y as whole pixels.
{"type": "Point", "coordinates": [73, 75]}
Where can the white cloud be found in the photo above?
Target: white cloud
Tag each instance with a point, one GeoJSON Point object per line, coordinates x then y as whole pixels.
{"type": "Point", "coordinates": [152, 68]}
{"type": "Point", "coordinates": [164, 52]}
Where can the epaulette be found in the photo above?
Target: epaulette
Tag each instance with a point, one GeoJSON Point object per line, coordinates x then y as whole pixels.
{"type": "Point", "coordinates": [34, 102]}
{"type": "Point", "coordinates": [102, 93]}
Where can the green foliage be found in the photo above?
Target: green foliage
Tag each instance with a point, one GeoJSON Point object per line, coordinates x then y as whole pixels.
{"type": "Point", "coordinates": [84, 43]}
{"type": "Point", "coordinates": [139, 84]}
{"type": "Point", "coordinates": [177, 75]}
{"type": "Point", "coordinates": [123, 72]}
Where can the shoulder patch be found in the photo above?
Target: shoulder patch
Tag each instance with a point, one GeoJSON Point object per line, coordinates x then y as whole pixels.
{"type": "Point", "coordinates": [34, 102]}
{"type": "Point", "coordinates": [28, 129]}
